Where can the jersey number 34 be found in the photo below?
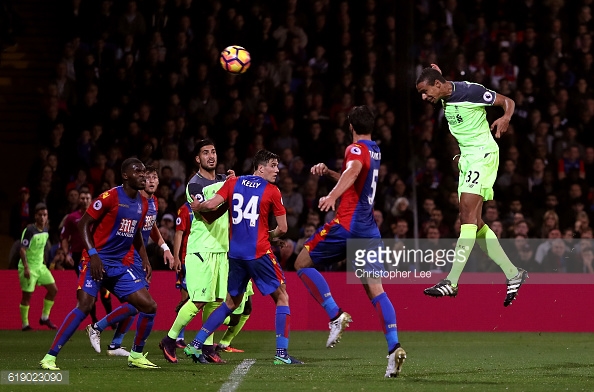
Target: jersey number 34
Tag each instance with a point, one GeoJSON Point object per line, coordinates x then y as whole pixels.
{"type": "Point", "coordinates": [250, 211]}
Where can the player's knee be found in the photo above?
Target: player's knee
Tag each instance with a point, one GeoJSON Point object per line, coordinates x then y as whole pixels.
{"type": "Point", "coordinates": [151, 307]}
{"type": "Point", "coordinates": [303, 260]}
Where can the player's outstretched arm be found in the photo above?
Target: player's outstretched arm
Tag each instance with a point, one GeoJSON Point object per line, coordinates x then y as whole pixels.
{"type": "Point", "coordinates": [211, 216]}
{"type": "Point", "coordinates": [208, 205]}
{"type": "Point", "coordinates": [84, 226]}
{"type": "Point", "coordinates": [158, 238]}
{"type": "Point", "coordinates": [502, 123]}
{"type": "Point", "coordinates": [346, 180]}
{"type": "Point", "coordinates": [322, 170]}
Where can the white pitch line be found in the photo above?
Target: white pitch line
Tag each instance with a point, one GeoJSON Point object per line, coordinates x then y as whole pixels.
{"type": "Point", "coordinates": [237, 375]}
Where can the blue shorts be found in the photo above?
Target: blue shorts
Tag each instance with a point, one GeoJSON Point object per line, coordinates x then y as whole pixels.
{"type": "Point", "coordinates": [121, 280]}
{"type": "Point", "coordinates": [180, 282]}
{"type": "Point", "coordinates": [140, 272]}
{"type": "Point", "coordinates": [265, 271]}
{"type": "Point", "coordinates": [329, 245]}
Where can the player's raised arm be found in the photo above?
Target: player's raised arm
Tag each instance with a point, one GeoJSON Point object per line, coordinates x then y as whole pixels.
{"type": "Point", "coordinates": [502, 122]}
{"type": "Point", "coordinates": [346, 180]}
{"type": "Point", "coordinates": [322, 170]}
{"type": "Point", "coordinates": [84, 226]}
{"type": "Point", "coordinates": [158, 238]}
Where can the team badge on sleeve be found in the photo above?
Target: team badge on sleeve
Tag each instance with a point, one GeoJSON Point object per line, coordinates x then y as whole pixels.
{"type": "Point", "coordinates": [487, 96]}
{"type": "Point", "coordinates": [199, 197]}
{"type": "Point", "coordinates": [178, 221]}
{"type": "Point", "coordinates": [356, 150]}
{"type": "Point", "coordinates": [97, 205]}
{"type": "Point", "coordinates": [25, 242]}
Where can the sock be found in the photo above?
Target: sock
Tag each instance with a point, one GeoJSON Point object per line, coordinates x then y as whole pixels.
{"type": "Point", "coordinates": [67, 329]}
{"type": "Point", "coordinates": [181, 334]}
{"type": "Point", "coordinates": [233, 331]}
{"type": "Point", "coordinates": [123, 327]}
{"type": "Point", "coordinates": [143, 330]}
{"type": "Point", "coordinates": [113, 318]}
{"type": "Point", "coordinates": [214, 321]}
{"type": "Point", "coordinates": [282, 327]}
{"type": "Point", "coordinates": [25, 315]}
{"type": "Point", "coordinates": [489, 243]}
{"type": "Point", "coordinates": [206, 312]}
{"type": "Point", "coordinates": [387, 314]}
{"type": "Point", "coordinates": [184, 316]}
{"type": "Point", "coordinates": [318, 288]}
{"type": "Point", "coordinates": [47, 307]}
{"type": "Point", "coordinates": [463, 249]}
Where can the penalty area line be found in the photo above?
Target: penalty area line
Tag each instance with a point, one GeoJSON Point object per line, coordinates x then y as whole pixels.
{"type": "Point", "coordinates": [237, 375]}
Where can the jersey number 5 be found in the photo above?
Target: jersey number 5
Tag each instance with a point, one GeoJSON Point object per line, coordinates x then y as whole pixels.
{"type": "Point", "coordinates": [249, 212]}
{"type": "Point", "coordinates": [374, 179]}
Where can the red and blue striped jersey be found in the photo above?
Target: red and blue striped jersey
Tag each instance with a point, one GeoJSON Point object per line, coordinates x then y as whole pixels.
{"type": "Point", "coordinates": [355, 211]}
{"type": "Point", "coordinates": [251, 200]}
{"type": "Point", "coordinates": [183, 223]}
{"type": "Point", "coordinates": [118, 219]}
{"type": "Point", "coordinates": [149, 222]}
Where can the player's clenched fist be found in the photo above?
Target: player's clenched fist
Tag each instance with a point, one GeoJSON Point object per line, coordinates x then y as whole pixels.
{"type": "Point", "coordinates": [320, 169]}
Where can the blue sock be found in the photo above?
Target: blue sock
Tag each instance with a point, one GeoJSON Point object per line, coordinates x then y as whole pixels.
{"type": "Point", "coordinates": [282, 327]}
{"type": "Point", "coordinates": [119, 314]}
{"type": "Point", "coordinates": [67, 329]}
{"type": "Point", "coordinates": [214, 321]}
{"type": "Point", "coordinates": [318, 288]}
{"type": "Point", "coordinates": [143, 330]}
{"type": "Point", "coordinates": [121, 330]}
{"type": "Point", "coordinates": [181, 334]}
{"type": "Point", "coordinates": [384, 308]}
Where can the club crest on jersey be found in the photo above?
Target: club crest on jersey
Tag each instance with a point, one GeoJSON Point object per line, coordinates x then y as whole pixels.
{"type": "Point", "coordinates": [104, 195]}
{"type": "Point", "coordinates": [97, 205]}
{"type": "Point", "coordinates": [355, 150]}
{"type": "Point", "coordinates": [127, 227]}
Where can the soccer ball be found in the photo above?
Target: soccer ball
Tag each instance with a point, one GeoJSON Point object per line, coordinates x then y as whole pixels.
{"type": "Point", "coordinates": [235, 59]}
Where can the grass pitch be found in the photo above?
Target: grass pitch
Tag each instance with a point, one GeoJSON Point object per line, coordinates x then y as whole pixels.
{"type": "Point", "coordinates": [436, 361]}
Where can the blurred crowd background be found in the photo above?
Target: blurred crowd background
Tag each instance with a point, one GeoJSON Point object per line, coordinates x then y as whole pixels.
{"type": "Point", "coordinates": [142, 78]}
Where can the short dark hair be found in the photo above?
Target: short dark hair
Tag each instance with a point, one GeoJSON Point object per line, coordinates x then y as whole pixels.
{"type": "Point", "coordinates": [362, 119]}
{"type": "Point", "coordinates": [430, 75]}
{"type": "Point", "coordinates": [149, 169]}
{"type": "Point", "coordinates": [262, 157]}
{"type": "Point", "coordinates": [129, 162]}
{"type": "Point", "coordinates": [40, 207]}
{"type": "Point", "coordinates": [84, 189]}
{"type": "Point", "coordinates": [202, 143]}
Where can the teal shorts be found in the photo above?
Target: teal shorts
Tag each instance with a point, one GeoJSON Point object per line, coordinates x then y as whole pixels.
{"type": "Point", "coordinates": [478, 173]}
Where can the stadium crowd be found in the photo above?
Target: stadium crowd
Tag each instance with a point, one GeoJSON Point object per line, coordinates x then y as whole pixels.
{"type": "Point", "coordinates": [142, 78]}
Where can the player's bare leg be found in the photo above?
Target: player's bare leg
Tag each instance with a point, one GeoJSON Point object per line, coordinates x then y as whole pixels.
{"type": "Point", "coordinates": [385, 309]}
{"type": "Point", "coordinates": [147, 308]}
{"type": "Point", "coordinates": [319, 289]}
